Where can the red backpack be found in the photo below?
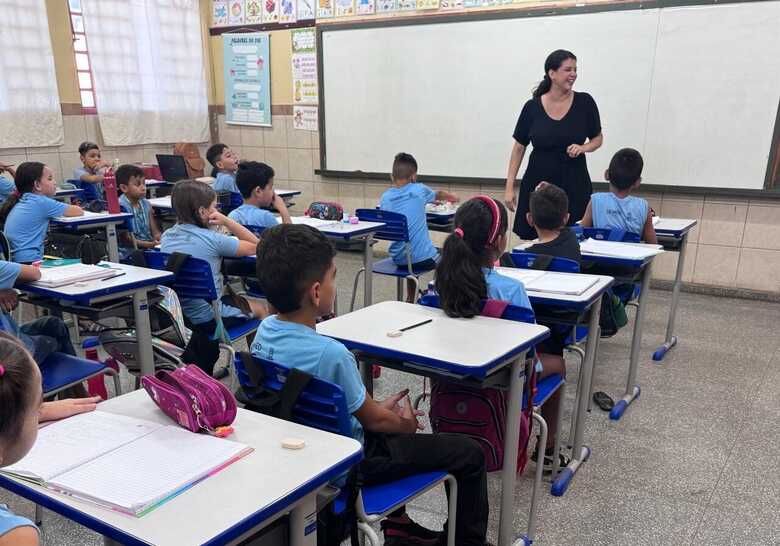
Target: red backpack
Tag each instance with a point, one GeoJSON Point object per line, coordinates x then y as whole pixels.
{"type": "Point", "coordinates": [481, 413]}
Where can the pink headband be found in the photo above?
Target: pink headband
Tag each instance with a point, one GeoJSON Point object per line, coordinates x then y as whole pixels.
{"type": "Point", "coordinates": [496, 214]}
{"type": "Point", "coordinates": [2, 370]}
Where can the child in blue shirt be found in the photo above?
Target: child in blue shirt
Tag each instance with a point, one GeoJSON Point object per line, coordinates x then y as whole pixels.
{"type": "Point", "coordinates": [91, 171]}
{"type": "Point", "coordinates": [195, 204]}
{"type": "Point", "coordinates": [7, 186]}
{"type": "Point", "coordinates": [256, 182]}
{"type": "Point", "coordinates": [26, 215]}
{"type": "Point", "coordinates": [21, 411]}
{"type": "Point", "coordinates": [409, 198]}
{"type": "Point", "coordinates": [296, 269]}
{"type": "Point", "coordinates": [465, 278]}
{"type": "Point", "coordinates": [225, 163]}
{"type": "Point", "coordinates": [132, 184]}
{"type": "Point", "coordinates": [618, 208]}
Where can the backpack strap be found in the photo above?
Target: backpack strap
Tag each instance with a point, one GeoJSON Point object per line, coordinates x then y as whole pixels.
{"type": "Point", "coordinates": [294, 385]}
{"type": "Point", "coordinates": [138, 258]}
{"type": "Point", "coordinates": [278, 404]}
{"type": "Point", "coordinates": [176, 261]}
{"type": "Point", "coordinates": [494, 308]}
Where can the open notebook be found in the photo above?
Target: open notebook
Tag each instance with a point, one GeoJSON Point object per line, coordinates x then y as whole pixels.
{"type": "Point", "coordinates": [52, 277]}
{"type": "Point", "coordinates": [316, 223]}
{"type": "Point", "coordinates": [549, 281]}
{"type": "Point", "coordinates": [125, 464]}
{"type": "Point", "coordinates": [615, 249]}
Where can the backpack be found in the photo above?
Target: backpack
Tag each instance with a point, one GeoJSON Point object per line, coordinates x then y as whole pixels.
{"type": "Point", "coordinates": [192, 160]}
{"type": "Point", "coordinates": [481, 414]}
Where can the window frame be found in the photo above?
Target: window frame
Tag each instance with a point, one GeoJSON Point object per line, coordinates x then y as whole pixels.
{"type": "Point", "coordinates": [82, 36]}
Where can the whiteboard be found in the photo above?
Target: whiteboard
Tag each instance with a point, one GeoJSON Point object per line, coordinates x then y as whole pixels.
{"type": "Point", "coordinates": [450, 93]}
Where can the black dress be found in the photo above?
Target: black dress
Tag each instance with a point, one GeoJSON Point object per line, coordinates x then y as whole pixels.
{"type": "Point", "coordinates": [549, 160]}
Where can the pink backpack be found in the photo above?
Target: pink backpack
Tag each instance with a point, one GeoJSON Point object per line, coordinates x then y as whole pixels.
{"type": "Point", "coordinates": [481, 413]}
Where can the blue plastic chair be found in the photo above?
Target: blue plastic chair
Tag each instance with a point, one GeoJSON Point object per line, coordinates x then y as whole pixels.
{"type": "Point", "coordinates": [610, 234]}
{"type": "Point", "coordinates": [229, 201]}
{"type": "Point", "coordinates": [322, 405]}
{"type": "Point", "coordinates": [395, 229]}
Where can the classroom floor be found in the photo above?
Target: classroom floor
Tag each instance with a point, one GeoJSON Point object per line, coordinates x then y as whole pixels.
{"type": "Point", "coordinates": [693, 461]}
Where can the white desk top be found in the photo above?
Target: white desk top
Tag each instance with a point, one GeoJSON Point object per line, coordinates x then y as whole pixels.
{"type": "Point", "coordinates": [242, 491]}
{"type": "Point", "coordinates": [602, 283]}
{"type": "Point", "coordinates": [93, 218]}
{"type": "Point", "coordinates": [466, 346]}
{"type": "Point", "coordinates": [68, 191]}
{"type": "Point", "coordinates": [287, 193]}
{"type": "Point", "coordinates": [673, 225]}
{"type": "Point", "coordinates": [161, 202]}
{"type": "Point", "coordinates": [335, 228]}
{"type": "Point", "coordinates": [152, 183]}
{"type": "Point", "coordinates": [432, 209]}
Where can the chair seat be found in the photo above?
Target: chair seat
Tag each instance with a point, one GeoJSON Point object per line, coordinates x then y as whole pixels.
{"type": "Point", "coordinates": [544, 389]}
{"type": "Point", "coordinates": [380, 499]}
{"type": "Point", "coordinates": [581, 334]}
{"type": "Point", "coordinates": [60, 370]}
{"type": "Point", "coordinates": [389, 267]}
{"type": "Point", "coordinates": [243, 329]}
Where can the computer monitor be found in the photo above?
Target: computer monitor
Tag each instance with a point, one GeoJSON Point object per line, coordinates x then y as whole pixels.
{"type": "Point", "coordinates": [172, 167]}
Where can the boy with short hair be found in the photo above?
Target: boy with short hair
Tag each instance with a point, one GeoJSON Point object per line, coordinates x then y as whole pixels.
{"type": "Point", "coordinates": [549, 215]}
{"type": "Point", "coordinates": [618, 209]}
{"type": "Point", "coordinates": [132, 183]}
{"type": "Point", "coordinates": [255, 180]}
{"type": "Point", "coordinates": [225, 163]}
{"type": "Point", "coordinates": [91, 171]}
{"type": "Point", "coordinates": [296, 269]}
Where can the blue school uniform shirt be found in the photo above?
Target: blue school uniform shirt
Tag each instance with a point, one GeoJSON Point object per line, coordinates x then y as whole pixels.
{"type": "Point", "coordinates": [226, 182]}
{"type": "Point", "coordinates": [297, 346]}
{"type": "Point", "coordinates": [92, 191]}
{"type": "Point", "coordinates": [410, 200]}
{"type": "Point", "coordinates": [501, 287]}
{"type": "Point", "coordinates": [207, 245]}
{"type": "Point", "coordinates": [141, 228]}
{"type": "Point", "coordinates": [7, 187]}
{"type": "Point", "coordinates": [610, 211]}
{"type": "Point", "coordinates": [9, 272]}
{"type": "Point", "coordinates": [10, 521]}
{"type": "Point", "coordinates": [250, 215]}
{"type": "Point", "coordinates": [27, 224]}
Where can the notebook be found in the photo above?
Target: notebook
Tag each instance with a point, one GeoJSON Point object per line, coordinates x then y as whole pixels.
{"type": "Point", "coordinates": [619, 250]}
{"type": "Point", "coordinates": [550, 281]}
{"type": "Point", "coordinates": [316, 223]}
{"type": "Point", "coordinates": [53, 277]}
{"type": "Point", "coordinates": [122, 463]}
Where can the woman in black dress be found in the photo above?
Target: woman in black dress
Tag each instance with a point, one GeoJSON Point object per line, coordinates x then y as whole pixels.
{"type": "Point", "coordinates": [563, 126]}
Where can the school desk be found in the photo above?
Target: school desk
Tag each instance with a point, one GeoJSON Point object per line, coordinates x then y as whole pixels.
{"type": "Point", "coordinates": [92, 220]}
{"type": "Point", "coordinates": [153, 185]}
{"type": "Point", "coordinates": [229, 506]}
{"type": "Point", "coordinates": [134, 283]}
{"type": "Point", "coordinates": [66, 194]}
{"type": "Point", "coordinates": [445, 348]}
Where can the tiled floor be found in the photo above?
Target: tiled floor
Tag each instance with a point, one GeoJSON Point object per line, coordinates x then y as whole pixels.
{"type": "Point", "coordinates": [693, 461]}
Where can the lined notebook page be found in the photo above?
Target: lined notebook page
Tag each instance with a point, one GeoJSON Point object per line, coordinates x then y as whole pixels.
{"type": "Point", "coordinates": [316, 223]}
{"type": "Point", "coordinates": [618, 250]}
{"type": "Point", "coordinates": [71, 442]}
{"type": "Point", "coordinates": [149, 469]}
{"type": "Point", "coordinates": [523, 275]}
{"type": "Point", "coordinates": [66, 274]}
{"type": "Point", "coordinates": [558, 283]}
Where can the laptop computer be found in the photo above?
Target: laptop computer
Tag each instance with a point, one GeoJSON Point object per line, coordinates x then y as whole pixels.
{"type": "Point", "coordinates": [172, 167]}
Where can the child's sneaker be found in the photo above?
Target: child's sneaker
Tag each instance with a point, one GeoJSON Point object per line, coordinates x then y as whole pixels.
{"type": "Point", "coordinates": [408, 534]}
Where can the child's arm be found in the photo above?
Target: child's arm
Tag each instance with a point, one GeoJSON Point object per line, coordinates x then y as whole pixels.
{"type": "Point", "coordinates": [91, 178]}
{"type": "Point", "coordinates": [29, 273]}
{"type": "Point", "coordinates": [153, 227]}
{"type": "Point", "coordinates": [587, 218]}
{"type": "Point", "coordinates": [73, 210]}
{"type": "Point", "coordinates": [247, 242]}
{"type": "Point", "coordinates": [648, 232]}
{"type": "Point", "coordinates": [282, 208]}
{"type": "Point", "coordinates": [388, 416]}
{"type": "Point", "coordinates": [146, 244]}
{"type": "Point", "coordinates": [20, 536]}
{"type": "Point", "coordinates": [443, 195]}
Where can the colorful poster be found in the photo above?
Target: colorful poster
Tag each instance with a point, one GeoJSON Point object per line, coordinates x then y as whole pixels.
{"type": "Point", "coordinates": [219, 13]}
{"type": "Point", "coordinates": [287, 11]}
{"type": "Point", "coordinates": [365, 7]}
{"type": "Point", "coordinates": [236, 12]}
{"type": "Point", "coordinates": [407, 5]}
{"type": "Point", "coordinates": [304, 66]}
{"type": "Point", "coordinates": [247, 76]}
{"type": "Point", "coordinates": [451, 4]}
{"type": "Point", "coordinates": [427, 4]}
{"type": "Point", "coordinates": [254, 12]}
{"type": "Point", "coordinates": [345, 8]}
{"type": "Point", "coordinates": [306, 9]}
{"type": "Point", "coordinates": [271, 11]}
{"type": "Point", "coordinates": [324, 9]}
{"type": "Point", "coordinates": [305, 118]}
{"type": "Point", "coordinates": [386, 6]}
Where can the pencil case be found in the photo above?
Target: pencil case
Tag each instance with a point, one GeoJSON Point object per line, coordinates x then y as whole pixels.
{"type": "Point", "coordinates": [193, 399]}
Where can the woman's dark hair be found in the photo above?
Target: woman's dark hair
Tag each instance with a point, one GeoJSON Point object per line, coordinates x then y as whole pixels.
{"type": "Point", "coordinates": [553, 62]}
{"type": "Point", "coordinates": [188, 197]}
{"type": "Point", "coordinates": [16, 386]}
{"type": "Point", "coordinates": [86, 146]}
{"type": "Point", "coordinates": [26, 175]}
{"type": "Point", "coordinates": [459, 278]}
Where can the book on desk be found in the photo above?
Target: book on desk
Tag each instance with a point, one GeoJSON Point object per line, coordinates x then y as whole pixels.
{"type": "Point", "coordinates": [70, 273]}
{"type": "Point", "coordinates": [125, 464]}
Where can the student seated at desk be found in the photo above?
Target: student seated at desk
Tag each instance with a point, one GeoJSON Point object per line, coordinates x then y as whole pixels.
{"type": "Point", "coordinates": [296, 269]}
{"type": "Point", "coordinates": [7, 186]}
{"type": "Point", "coordinates": [618, 208]}
{"type": "Point", "coordinates": [91, 171]}
{"type": "Point", "coordinates": [465, 278]}
{"type": "Point", "coordinates": [225, 163]}
{"type": "Point", "coordinates": [26, 215]}
{"type": "Point", "coordinates": [549, 215]}
{"type": "Point", "coordinates": [21, 410]}
{"type": "Point", "coordinates": [256, 182]}
{"type": "Point", "coordinates": [409, 198]}
{"type": "Point", "coordinates": [132, 184]}
{"type": "Point", "coordinates": [195, 204]}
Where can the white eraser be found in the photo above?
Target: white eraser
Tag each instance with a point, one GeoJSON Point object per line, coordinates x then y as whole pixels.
{"type": "Point", "coordinates": [395, 333]}
{"type": "Point", "coordinates": [293, 443]}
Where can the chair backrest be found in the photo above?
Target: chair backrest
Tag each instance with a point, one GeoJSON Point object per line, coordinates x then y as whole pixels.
{"type": "Point", "coordinates": [512, 312]}
{"type": "Point", "coordinates": [321, 405]}
{"type": "Point", "coordinates": [5, 247]}
{"type": "Point", "coordinates": [613, 234]}
{"type": "Point", "coordinates": [526, 260]}
{"type": "Point", "coordinates": [256, 230]}
{"type": "Point", "coordinates": [194, 280]}
{"type": "Point", "coordinates": [395, 228]}
{"type": "Point", "coordinates": [228, 201]}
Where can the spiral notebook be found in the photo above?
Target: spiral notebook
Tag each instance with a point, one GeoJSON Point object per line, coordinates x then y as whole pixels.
{"type": "Point", "coordinates": [53, 277]}
{"type": "Point", "coordinates": [122, 463]}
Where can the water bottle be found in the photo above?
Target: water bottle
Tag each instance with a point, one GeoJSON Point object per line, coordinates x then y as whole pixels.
{"type": "Point", "coordinates": [109, 187]}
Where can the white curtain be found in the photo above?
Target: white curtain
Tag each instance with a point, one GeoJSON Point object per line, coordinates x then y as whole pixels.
{"type": "Point", "coordinates": [147, 61]}
{"type": "Point", "coordinates": [30, 114]}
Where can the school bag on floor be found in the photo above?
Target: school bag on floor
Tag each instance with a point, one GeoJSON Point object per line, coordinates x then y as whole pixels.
{"type": "Point", "coordinates": [481, 414]}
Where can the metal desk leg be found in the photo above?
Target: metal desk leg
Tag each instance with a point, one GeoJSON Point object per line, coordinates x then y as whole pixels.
{"type": "Point", "coordinates": [303, 522]}
{"type": "Point", "coordinates": [368, 264]}
{"type": "Point", "coordinates": [581, 453]}
{"type": "Point", "coordinates": [632, 389]}
{"type": "Point", "coordinates": [511, 437]}
{"type": "Point", "coordinates": [113, 247]}
{"type": "Point", "coordinates": [143, 331]}
{"type": "Point", "coordinates": [671, 339]}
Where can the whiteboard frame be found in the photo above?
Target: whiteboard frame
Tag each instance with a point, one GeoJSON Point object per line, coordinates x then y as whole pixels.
{"type": "Point", "coordinates": [537, 11]}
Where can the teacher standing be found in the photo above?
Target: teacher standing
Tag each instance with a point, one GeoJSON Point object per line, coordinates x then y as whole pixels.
{"type": "Point", "coordinates": [563, 126]}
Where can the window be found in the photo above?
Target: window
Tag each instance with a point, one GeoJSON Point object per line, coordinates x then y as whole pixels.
{"type": "Point", "coordinates": [83, 65]}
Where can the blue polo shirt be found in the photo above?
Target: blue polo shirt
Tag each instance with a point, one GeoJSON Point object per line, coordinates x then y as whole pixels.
{"type": "Point", "coordinates": [501, 287]}
{"type": "Point", "coordinates": [27, 224]}
{"type": "Point", "coordinates": [226, 182]}
{"type": "Point", "coordinates": [250, 215]}
{"type": "Point", "coordinates": [92, 190]}
{"type": "Point", "coordinates": [410, 200]}
{"type": "Point", "coordinates": [141, 227]}
{"type": "Point", "coordinates": [7, 187]}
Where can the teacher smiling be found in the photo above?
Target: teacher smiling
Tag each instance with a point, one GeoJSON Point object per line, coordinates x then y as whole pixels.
{"type": "Point", "coordinates": [563, 126]}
